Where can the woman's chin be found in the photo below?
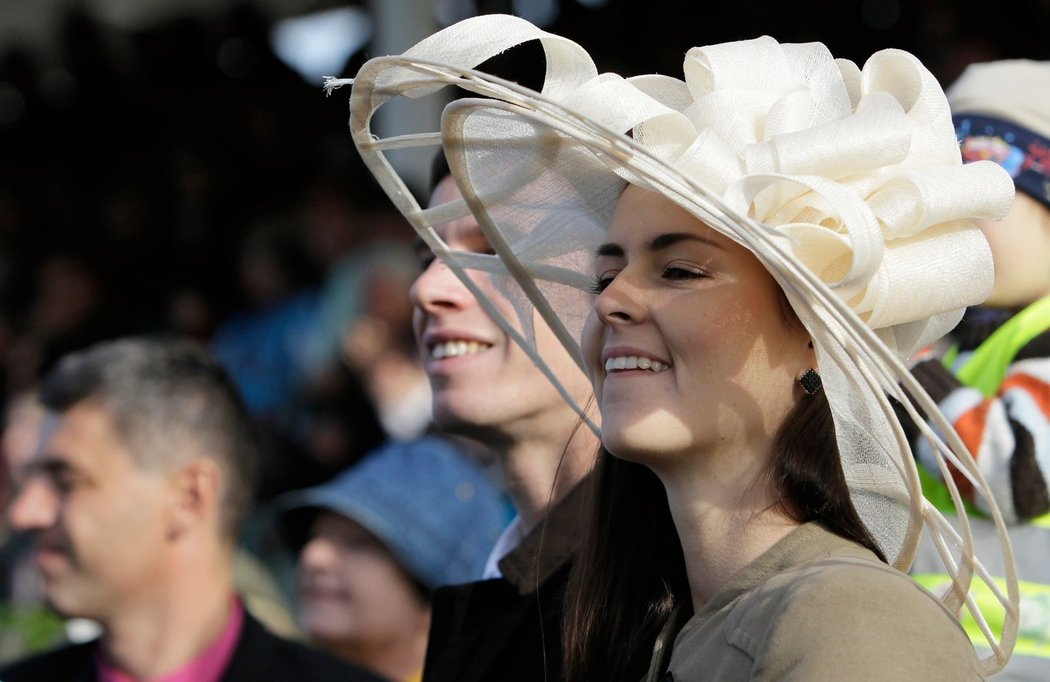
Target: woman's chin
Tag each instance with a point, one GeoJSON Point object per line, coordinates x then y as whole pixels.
{"type": "Point", "coordinates": [647, 440]}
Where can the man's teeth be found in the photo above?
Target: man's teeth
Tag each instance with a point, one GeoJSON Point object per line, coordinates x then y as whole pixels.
{"type": "Point", "coordinates": [634, 362]}
{"type": "Point", "coordinates": [452, 349]}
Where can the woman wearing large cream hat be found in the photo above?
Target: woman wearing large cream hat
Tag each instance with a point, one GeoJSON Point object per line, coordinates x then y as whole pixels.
{"type": "Point", "coordinates": [747, 255]}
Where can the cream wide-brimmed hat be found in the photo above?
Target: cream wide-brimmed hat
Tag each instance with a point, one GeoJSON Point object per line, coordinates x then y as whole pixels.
{"type": "Point", "coordinates": [846, 183]}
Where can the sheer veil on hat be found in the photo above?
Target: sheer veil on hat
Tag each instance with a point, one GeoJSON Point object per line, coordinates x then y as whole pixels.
{"type": "Point", "coordinates": [846, 183]}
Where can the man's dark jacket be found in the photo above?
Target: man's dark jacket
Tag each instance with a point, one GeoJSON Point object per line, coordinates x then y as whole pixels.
{"type": "Point", "coordinates": [260, 656]}
{"type": "Point", "coordinates": [509, 629]}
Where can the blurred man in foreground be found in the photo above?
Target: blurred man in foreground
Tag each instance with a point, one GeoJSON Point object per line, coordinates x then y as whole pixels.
{"type": "Point", "coordinates": [134, 502]}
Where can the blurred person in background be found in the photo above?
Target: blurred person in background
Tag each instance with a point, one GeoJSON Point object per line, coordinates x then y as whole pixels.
{"type": "Point", "coordinates": [342, 238]}
{"type": "Point", "coordinates": [189, 312]}
{"type": "Point", "coordinates": [134, 501]}
{"type": "Point", "coordinates": [380, 347]}
{"type": "Point", "coordinates": [378, 539]}
{"type": "Point", "coordinates": [261, 344]}
{"type": "Point", "coordinates": [309, 427]}
{"type": "Point", "coordinates": [69, 309]}
{"type": "Point", "coordinates": [994, 383]}
{"type": "Point", "coordinates": [26, 624]}
{"type": "Point", "coordinates": [23, 418]}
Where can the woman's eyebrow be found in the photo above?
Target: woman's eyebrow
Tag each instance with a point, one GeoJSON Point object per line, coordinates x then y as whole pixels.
{"type": "Point", "coordinates": [668, 239]}
{"type": "Point", "coordinates": [659, 243]}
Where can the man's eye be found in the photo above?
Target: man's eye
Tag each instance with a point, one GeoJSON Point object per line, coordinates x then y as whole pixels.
{"type": "Point", "coordinates": [63, 481]}
{"type": "Point", "coordinates": [425, 258]}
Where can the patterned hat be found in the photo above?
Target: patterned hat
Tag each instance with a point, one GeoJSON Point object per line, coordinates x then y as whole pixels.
{"type": "Point", "coordinates": [1002, 113]}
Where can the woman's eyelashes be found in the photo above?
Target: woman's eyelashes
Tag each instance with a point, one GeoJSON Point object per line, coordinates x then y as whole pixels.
{"type": "Point", "coordinates": [600, 282]}
{"type": "Point", "coordinates": [682, 272]}
{"type": "Point", "coordinates": [672, 272]}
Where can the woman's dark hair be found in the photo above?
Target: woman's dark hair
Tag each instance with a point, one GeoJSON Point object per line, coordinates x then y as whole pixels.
{"type": "Point", "coordinates": [631, 573]}
{"type": "Point", "coordinates": [626, 579]}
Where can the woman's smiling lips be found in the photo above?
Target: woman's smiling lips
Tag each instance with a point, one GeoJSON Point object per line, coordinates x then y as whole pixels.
{"type": "Point", "coordinates": [618, 360]}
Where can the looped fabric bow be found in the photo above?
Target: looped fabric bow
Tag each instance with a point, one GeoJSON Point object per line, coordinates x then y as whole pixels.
{"type": "Point", "coordinates": [846, 183]}
{"type": "Point", "coordinates": [858, 169]}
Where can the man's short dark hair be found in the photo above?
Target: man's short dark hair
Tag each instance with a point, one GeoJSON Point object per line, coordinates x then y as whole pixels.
{"type": "Point", "coordinates": [169, 401]}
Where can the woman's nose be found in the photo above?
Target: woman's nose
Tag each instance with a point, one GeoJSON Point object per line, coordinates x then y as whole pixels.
{"type": "Point", "coordinates": [621, 302]}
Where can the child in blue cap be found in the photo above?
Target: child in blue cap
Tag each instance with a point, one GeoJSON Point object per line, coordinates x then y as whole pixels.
{"type": "Point", "coordinates": [376, 540]}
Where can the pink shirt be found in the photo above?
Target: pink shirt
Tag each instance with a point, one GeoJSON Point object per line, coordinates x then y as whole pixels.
{"type": "Point", "coordinates": [207, 667]}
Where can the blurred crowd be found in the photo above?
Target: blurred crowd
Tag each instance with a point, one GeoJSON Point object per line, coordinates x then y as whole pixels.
{"type": "Point", "coordinates": [156, 190]}
{"type": "Point", "coordinates": [184, 180]}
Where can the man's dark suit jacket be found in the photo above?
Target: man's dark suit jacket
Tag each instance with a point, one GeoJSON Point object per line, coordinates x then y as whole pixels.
{"type": "Point", "coordinates": [509, 629]}
{"type": "Point", "coordinates": [260, 656]}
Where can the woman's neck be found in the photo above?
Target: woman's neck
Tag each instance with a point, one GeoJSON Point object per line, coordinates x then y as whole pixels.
{"type": "Point", "coordinates": [723, 525]}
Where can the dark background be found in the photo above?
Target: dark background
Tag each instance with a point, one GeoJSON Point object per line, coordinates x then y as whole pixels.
{"type": "Point", "coordinates": [127, 191]}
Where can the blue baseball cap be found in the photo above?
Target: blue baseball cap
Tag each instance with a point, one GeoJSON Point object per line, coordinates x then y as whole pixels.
{"type": "Point", "coordinates": [435, 509]}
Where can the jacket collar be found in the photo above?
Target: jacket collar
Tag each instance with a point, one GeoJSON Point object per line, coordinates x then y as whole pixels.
{"type": "Point", "coordinates": [551, 544]}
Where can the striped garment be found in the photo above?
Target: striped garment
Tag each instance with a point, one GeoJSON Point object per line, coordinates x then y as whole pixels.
{"type": "Point", "coordinates": [1008, 432]}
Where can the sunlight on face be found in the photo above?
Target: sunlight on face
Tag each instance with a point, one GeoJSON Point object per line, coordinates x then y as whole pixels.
{"type": "Point", "coordinates": [1020, 244]}
{"type": "Point", "coordinates": [687, 346]}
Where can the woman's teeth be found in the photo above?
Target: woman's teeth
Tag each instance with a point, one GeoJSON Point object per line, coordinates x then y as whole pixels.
{"type": "Point", "coordinates": [634, 362]}
{"type": "Point", "coordinates": [452, 349]}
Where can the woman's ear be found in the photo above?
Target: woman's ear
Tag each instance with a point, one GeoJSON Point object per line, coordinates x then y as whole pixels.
{"type": "Point", "coordinates": [806, 358]}
{"type": "Point", "coordinates": [807, 377]}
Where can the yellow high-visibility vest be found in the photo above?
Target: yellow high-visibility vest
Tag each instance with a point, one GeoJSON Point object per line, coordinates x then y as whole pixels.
{"type": "Point", "coordinates": [985, 370]}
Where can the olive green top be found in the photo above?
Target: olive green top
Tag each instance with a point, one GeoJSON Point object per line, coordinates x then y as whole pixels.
{"type": "Point", "coordinates": [816, 607]}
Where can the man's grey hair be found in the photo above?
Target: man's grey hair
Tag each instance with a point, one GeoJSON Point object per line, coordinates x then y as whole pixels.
{"type": "Point", "coordinates": [169, 401]}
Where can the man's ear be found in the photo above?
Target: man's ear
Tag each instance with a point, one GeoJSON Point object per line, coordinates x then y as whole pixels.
{"type": "Point", "coordinates": [196, 488]}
